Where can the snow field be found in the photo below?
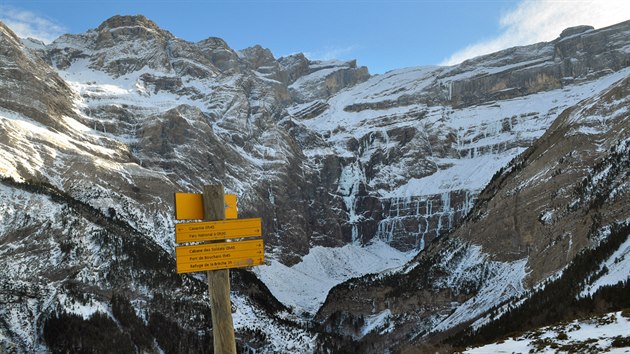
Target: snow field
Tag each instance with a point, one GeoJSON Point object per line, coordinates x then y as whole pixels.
{"type": "Point", "coordinates": [304, 286]}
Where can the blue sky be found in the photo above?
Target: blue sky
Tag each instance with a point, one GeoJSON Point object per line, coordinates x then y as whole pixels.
{"type": "Point", "coordinates": [380, 34]}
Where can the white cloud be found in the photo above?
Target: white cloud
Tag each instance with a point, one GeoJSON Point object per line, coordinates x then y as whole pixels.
{"type": "Point", "coordinates": [542, 20]}
{"type": "Point", "coordinates": [28, 24]}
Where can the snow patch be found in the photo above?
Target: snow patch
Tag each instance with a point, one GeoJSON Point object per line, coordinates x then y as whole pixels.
{"type": "Point", "coordinates": [618, 265]}
{"type": "Point", "coordinates": [377, 321]}
{"type": "Point", "coordinates": [305, 285]}
{"type": "Point", "coordinates": [505, 282]}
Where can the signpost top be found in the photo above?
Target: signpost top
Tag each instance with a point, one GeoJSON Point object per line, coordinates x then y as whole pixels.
{"type": "Point", "coordinates": [189, 206]}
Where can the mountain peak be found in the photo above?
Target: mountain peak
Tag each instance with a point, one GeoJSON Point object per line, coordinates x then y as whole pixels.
{"type": "Point", "coordinates": [128, 21]}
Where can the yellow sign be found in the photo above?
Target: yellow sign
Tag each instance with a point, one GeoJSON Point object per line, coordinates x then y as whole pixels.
{"type": "Point", "coordinates": [217, 230]}
{"type": "Point", "coordinates": [189, 206]}
{"type": "Point", "coordinates": [222, 255]}
{"type": "Point", "coordinates": [230, 206]}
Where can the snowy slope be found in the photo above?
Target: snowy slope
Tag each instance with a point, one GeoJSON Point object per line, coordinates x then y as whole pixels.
{"type": "Point", "coordinates": [609, 334]}
{"type": "Point", "coordinates": [506, 283]}
{"type": "Point", "coordinates": [282, 339]}
{"type": "Point", "coordinates": [617, 267]}
{"type": "Point", "coordinates": [304, 286]}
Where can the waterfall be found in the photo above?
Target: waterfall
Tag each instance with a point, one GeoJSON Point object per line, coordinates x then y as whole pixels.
{"type": "Point", "coordinates": [349, 182]}
{"type": "Point", "coordinates": [446, 208]}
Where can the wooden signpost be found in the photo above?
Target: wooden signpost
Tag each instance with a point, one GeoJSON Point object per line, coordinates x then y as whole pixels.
{"type": "Point", "coordinates": [217, 254]}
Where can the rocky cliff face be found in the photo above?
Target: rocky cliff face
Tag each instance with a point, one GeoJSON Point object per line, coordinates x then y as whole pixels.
{"type": "Point", "coordinates": [578, 55]}
{"type": "Point", "coordinates": [416, 146]}
{"type": "Point", "coordinates": [573, 181]}
{"type": "Point", "coordinates": [114, 120]}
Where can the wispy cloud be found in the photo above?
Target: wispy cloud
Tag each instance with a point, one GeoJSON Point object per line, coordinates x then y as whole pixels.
{"type": "Point", "coordinates": [542, 20]}
{"type": "Point", "coordinates": [329, 53]}
{"type": "Point", "coordinates": [28, 24]}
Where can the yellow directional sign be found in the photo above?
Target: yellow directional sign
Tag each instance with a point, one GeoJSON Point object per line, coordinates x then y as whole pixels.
{"type": "Point", "coordinates": [189, 206]}
{"type": "Point", "coordinates": [217, 230]}
{"type": "Point", "coordinates": [222, 255]}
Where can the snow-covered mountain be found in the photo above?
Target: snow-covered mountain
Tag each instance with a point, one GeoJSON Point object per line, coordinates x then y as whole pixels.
{"type": "Point", "coordinates": [566, 194]}
{"type": "Point", "coordinates": [351, 173]}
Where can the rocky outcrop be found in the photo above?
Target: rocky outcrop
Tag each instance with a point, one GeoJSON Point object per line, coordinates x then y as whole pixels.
{"type": "Point", "coordinates": [294, 67]}
{"type": "Point", "coordinates": [28, 86]}
{"type": "Point", "coordinates": [261, 59]}
{"type": "Point", "coordinates": [142, 45]}
{"type": "Point", "coordinates": [325, 78]}
{"type": "Point", "coordinates": [575, 30]}
{"type": "Point", "coordinates": [221, 55]}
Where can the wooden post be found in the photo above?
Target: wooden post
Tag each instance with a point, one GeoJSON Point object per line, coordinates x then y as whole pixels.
{"type": "Point", "coordinates": [219, 280]}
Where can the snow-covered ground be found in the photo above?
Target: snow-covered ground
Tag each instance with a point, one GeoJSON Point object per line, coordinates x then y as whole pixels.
{"type": "Point", "coordinates": [605, 334]}
{"type": "Point", "coordinates": [618, 266]}
{"type": "Point", "coordinates": [305, 285]}
{"type": "Point", "coordinates": [506, 282]}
